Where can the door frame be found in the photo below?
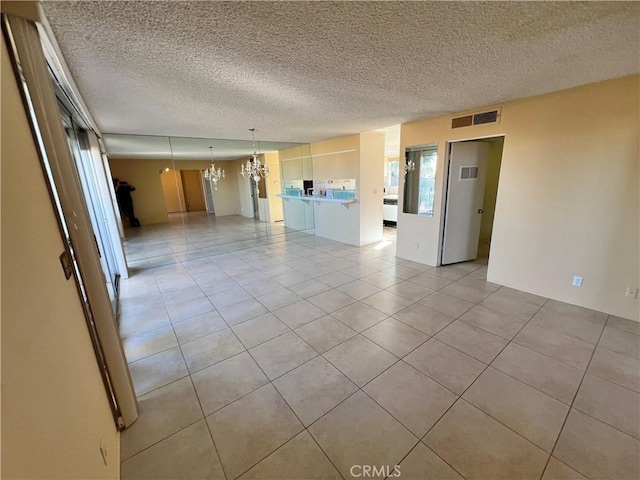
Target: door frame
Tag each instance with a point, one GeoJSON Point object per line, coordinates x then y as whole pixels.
{"type": "Point", "coordinates": [208, 195]}
{"type": "Point", "coordinates": [446, 170]}
{"type": "Point", "coordinates": [253, 197]}
{"type": "Point", "coordinates": [188, 188]}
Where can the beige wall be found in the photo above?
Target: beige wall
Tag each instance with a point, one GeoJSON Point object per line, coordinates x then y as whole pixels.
{"type": "Point", "coordinates": [172, 191]}
{"type": "Point", "coordinates": [291, 162]}
{"type": "Point", "coordinates": [274, 187]}
{"type": "Point", "coordinates": [226, 200]}
{"type": "Point", "coordinates": [328, 163]}
{"type": "Point", "coordinates": [567, 199]}
{"type": "Point", "coordinates": [370, 186]}
{"type": "Point", "coordinates": [149, 198]}
{"type": "Point", "coordinates": [491, 189]}
{"type": "Point", "coordinates": [54, 406]}
{"type": "Point", "coordinates": [193, 190]}
{"type": "Point", "coordinates": [332, 220]}
{"type": "Point", "coordinates": [244, 188]}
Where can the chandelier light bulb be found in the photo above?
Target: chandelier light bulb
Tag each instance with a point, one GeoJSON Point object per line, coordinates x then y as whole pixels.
{"type": "Point", "coordinates": [410, 166]}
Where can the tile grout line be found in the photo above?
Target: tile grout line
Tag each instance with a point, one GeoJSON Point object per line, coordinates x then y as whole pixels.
{"type": "Point", "coordinates": [466, 389]}
{"type": "Point", "coordinates": [159, 441]}
{"type": "Point", "coordinates": [304, 427]}
{"type": "Point", "coordinates": [181, 429]}
{"type": "Point", "coordinates": [513, 341]}
{"type": "Point", "coordinates": [360, 333]}
{"type": "Point", "coordinates": [230, 326]}
{"type": "Point", "coordinates": [420, 442]}
{"type": "Point", "coordinates": [555, 444]}
{"type": "Point", "coordinates": [195, 391]}
{"type": "Point", "coordinates": [204, 417]}
{"type": "Point", "coordinates": [361, 389]}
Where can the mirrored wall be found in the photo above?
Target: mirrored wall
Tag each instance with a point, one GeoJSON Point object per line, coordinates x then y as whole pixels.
{"type": "Point", "coordinates": [191, 216]}
{"type": "Point", "coordinates": [297, 180]}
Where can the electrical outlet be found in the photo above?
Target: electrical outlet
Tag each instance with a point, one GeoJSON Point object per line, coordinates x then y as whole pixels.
{"type": "Point", "coordinates": [631, 293]}
{"type": "Point", "coordinates": [103, 451]}
{"type": "Point", "coordinates": [577, 281]}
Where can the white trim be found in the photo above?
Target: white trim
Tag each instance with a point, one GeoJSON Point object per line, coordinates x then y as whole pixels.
{"type": "Point", "coordinates": [317, 155]}
{"type": "Point", "coordinates": [53, 54]}
{"type": "Point", "coordinates": [109, 208]}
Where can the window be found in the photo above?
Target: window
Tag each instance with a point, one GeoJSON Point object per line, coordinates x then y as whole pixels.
{"type": "Point", "coordinates": [420, 183]}
{"type": "Point", "coordinates": [393, 168]}
{"type": "Point", "coordinates": [426, 195]}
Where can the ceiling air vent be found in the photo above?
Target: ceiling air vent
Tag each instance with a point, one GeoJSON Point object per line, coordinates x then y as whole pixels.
{"type": "Point", "coordinates": [476, 119]}
{"type": "Point", "coordinates": [462, 121]}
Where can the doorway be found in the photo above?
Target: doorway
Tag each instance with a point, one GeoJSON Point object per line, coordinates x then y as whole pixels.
{"type": "Point", "coordinates": [254, 199]}
{"type": "Point", "coordinates": [472, 176]}
{"type": "Point", "coordinates": [183, 190]}
{"type": "Point", "coordinates": [193, 193]}
{"type": "Point", "coordinates": [208, 196]}
{"type": "Point", "coordinates": [172, 190]}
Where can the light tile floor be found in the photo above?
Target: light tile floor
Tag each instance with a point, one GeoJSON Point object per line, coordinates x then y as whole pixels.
{"type": "Point", "coordinates": [292, 356]}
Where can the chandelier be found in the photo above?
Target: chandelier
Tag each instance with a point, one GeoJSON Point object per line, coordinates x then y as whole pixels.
{"type": "Point", "coordinates": [409, 166]}
{"type": "Point", "coordinates": [254, 168]}
{"type": "Point", "coordinates": [212, 174]}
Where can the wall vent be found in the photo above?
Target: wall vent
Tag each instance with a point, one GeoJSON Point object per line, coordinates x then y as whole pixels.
{"type": "Point", "coordinates": [476, 119]}
{"type": "Point", "coordinates": [462, 121]}
{"type": "Point", "coordinates": [468, 173]}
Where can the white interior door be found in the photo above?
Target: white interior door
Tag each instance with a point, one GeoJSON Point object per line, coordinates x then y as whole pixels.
{"type": "Point", "coordinates": [465, 194]}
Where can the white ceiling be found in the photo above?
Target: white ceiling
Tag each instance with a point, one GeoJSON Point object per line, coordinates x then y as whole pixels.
{"type": "Point", "coordinates": [307, 71]}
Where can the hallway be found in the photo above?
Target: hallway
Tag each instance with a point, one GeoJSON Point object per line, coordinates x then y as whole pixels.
{"type": "Point", "coordinates": [259, 352]}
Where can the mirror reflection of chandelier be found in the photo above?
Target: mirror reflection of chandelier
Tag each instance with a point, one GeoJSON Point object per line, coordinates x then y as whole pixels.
{"type": "Point", "coordinates": [212, 174]}
{"type": "Point", "coordinates": [254, 168]}
{"type": "Point", "coordinates": [409, 166]}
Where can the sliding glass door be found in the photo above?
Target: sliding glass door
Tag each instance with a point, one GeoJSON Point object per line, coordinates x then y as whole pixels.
{"type": "Point", "coordinates": [89, 177]}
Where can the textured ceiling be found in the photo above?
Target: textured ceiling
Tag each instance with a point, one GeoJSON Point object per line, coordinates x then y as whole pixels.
{"type": "Point", "coordinates": [306, 71]}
